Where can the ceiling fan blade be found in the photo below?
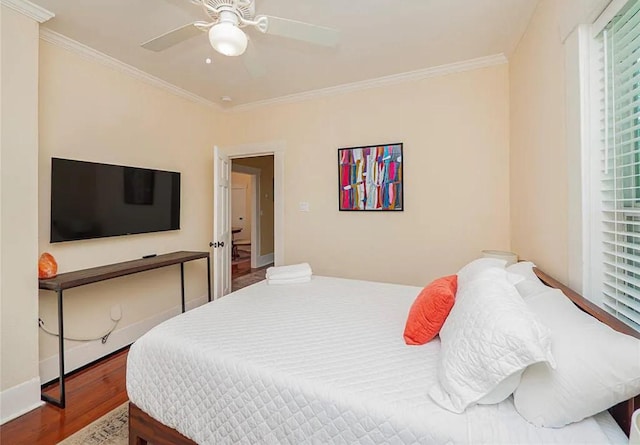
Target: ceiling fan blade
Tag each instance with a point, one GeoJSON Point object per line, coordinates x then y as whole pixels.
{"type": "Point", "coordinates": [292, 29]}
{"type": "Point", "coordinates": [172, 38]}
{"type": "Point", "coordinates": [252, 62]}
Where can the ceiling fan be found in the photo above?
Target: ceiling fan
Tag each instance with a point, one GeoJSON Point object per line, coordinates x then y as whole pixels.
{"type": "Point", "coordinates": [227, 17]}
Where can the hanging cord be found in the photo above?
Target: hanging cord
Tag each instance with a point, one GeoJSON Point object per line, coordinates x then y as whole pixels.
{"type": "Point", "coordinates": [103, 338]}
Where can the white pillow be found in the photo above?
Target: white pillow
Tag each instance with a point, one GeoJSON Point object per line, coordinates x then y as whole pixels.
{"type": "Point", "coordinates": [489, 336]}
{"type": "Point", "coordinates": [597, 367]}
{"type": "Point", "coordinates": [531, 285]}
{"type": "Point", "coordinates": [524, 268]}
{"type": "Point", "coordinates": [529, 288]}
{"type": "Point", "coordinates": [476, 267]}
{"type": "Point", "coordinates": [503, 390]}
{"type": "Point", "coordinates": [487, 268]}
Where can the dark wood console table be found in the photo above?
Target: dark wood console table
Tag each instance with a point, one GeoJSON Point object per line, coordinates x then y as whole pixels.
{"type": "Point", "coordinates": [87, 276]}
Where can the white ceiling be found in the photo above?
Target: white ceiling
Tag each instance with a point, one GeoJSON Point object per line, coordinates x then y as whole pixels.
{"type": "Point", "coordinates": [378, 38]}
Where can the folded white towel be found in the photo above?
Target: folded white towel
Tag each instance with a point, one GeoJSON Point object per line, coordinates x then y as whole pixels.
{"type": "Point", "coordinates": [293, 271]}
{"type": "Point", "coordinates": [272, 281]}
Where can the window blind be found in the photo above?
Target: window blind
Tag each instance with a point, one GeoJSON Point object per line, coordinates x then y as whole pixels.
{"type": "Point", "coordinates": [619, 49]}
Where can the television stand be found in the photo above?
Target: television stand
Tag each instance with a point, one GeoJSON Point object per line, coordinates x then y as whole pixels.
{"type": "Point", "coordinates": [78, 278]}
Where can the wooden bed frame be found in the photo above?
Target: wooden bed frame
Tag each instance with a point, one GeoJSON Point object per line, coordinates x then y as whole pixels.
{"type": "Point", "coordinates": [143, 429]}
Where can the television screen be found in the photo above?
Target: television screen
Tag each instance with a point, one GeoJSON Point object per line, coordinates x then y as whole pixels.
{"type": "Point", "coordinates": [91, 200]}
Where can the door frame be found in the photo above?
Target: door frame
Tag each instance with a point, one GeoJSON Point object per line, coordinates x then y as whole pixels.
{"type": "Point", "coordinates": [277, 149]}
{"type": "Point", "coordinates": [255, 174]}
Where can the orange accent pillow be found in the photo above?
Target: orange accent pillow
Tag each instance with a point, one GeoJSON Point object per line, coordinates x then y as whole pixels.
{"type": "Point", "coordinates": [430, 309]}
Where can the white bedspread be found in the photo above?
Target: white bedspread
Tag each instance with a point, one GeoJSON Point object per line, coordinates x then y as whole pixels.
{"type": "Point", "coordinates": [321, 362]}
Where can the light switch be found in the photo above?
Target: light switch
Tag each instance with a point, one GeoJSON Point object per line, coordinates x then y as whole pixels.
{"type": "Point", "coordinates": [303, 206]}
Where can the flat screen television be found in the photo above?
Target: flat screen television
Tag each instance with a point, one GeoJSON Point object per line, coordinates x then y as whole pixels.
{"type": "Point", "coordinates": [91, 200]}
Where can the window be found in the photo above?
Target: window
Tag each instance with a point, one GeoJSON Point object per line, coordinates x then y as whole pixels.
{"type": "Point", "coordinates": [618, 104]}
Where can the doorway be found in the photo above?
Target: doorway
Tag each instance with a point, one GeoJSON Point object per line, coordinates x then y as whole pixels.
{"type": "Point", "coordinates": [252, 219]}
{"type": "Point", "coordinates": [222, 242]}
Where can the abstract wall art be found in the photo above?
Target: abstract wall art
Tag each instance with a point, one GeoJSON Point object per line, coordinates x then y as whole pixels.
{"type": "Point", "coordinates": [371, 178]}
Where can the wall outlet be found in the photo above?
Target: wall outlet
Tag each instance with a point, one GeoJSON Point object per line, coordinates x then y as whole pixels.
{"type": "Point", "coordinates": [116, 312]}
{"type": "Point", "coordinates": [304, 206]}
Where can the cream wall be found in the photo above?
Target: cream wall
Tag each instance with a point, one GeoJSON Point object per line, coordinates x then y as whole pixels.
{"type": "Point", "coordinates": [538, 155]}
{"type": "Point", "coordinates": [455, 131]}
{"type": "Point", "coordinates": [93, 113]}
{"type": "Point", "coordinates": [19, 209]}
{"type": "Point", "coordinates": [542, 174]}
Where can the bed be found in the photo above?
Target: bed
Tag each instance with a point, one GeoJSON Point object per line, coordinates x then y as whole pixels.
{"type": "Point", "coordinates": [320, 362]}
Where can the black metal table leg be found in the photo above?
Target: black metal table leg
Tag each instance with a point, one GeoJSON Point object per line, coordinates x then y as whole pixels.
{"type": "Point", "coordinates": [209, 277]}
{"type": "Point", "coordinates": [182, 284]}
{"type": "Point", "coordinates": [59, 402]}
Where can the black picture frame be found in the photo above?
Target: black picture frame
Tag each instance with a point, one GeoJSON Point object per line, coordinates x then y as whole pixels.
{"type": "Point", "coordinates": [371, 178]}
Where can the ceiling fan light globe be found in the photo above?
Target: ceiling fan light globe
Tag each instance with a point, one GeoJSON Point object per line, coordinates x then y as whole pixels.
{"type": "Point", "coordinates": [228, 39]}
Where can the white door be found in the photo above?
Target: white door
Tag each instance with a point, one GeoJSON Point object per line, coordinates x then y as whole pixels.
{"type": "Point", "coordinates": [221, 217]}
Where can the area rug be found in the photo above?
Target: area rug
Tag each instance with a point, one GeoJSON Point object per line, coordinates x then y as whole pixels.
{"type": "Point", "coordinates": [248, 279]}
{"type": "Point", "coordinates": [110, 429]}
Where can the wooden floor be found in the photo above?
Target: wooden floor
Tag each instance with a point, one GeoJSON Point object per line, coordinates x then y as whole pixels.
{"type": "Point", "coordinates": [241, 265]}
{"type": "Point", "coordinates": [91, 393]}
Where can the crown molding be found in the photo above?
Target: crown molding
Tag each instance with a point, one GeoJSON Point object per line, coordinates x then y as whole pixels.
{"type": "Point", "coordinates": [87, 52]}
{"type": "Point", "coordinates": [442, 70]}
{"type": "Point", "coordinates": [31, 10]}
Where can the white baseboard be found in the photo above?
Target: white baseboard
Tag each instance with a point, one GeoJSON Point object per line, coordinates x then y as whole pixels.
{"type": "Point", "coordinates": [86, 353]}
{"type": "Point", "coordinates": [19, 400]}
{"type": "Point", "coordinates": [263, 260]}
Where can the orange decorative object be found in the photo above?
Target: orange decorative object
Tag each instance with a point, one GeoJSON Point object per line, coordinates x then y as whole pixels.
{"type": "Point", "coordinates": [430, 310]}
{"type": "Point", "coordinates": [47, 266]}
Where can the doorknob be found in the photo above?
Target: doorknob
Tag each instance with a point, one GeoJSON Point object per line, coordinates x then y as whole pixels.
{"type": "Point", "coordinates": [216, 244]}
